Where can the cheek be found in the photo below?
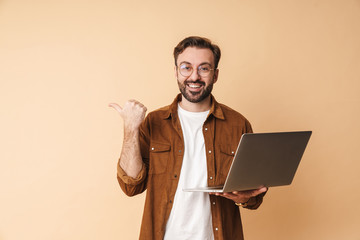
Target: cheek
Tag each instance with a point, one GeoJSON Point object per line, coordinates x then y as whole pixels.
{"type": "Point", "coordinates": [181, 79]}
{"type": "Point", "coordinates": [180, 82]}
{"type": "Point", "coordinates": [209, 81]}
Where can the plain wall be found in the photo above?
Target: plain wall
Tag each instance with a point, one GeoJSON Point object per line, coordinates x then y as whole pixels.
{"type": "Point", "coordinates": [286, 65]}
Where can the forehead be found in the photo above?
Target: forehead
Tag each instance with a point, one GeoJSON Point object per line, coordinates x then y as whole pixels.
{"type": "Point", "coordinates": [196, 56]}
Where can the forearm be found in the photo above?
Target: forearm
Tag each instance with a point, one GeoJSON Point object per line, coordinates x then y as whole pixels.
{"type": "Point", "coordinates": [130, 158]}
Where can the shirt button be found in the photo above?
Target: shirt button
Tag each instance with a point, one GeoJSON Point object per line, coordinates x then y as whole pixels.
{"type": "Point", "coordinates": [232, 152]}
{"type": "Point", "coordinates": [152, 149]}
{"type": "Point", "coordinates": [179, 151]}
{"type": "Point", "coordinates": [175, 176]}
{"type": "Point", "coordinates": [216, 229]}
{"type": "Point", "coordinates": [205, 129]}
{"type": "Point", "coordinates": [213, 203]}
{"type": "Point", "coordinates": [170, 201]}
{"type": "Point", "coordinates": [211, 178]}
{"type": "Point", "coordinates": [209, 151]}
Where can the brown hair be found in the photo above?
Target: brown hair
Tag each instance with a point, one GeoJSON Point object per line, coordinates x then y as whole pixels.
{"type": "Point", "coordinates": [198, 42]}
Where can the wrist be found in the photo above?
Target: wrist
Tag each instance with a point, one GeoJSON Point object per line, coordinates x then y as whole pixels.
{"type": "Point", "coordinates": [131, 130]}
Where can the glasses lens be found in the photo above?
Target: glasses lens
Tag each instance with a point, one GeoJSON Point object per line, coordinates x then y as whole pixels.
{"type": "Point", "coordinates": [185, 69]}
{"type": "Point", "coordinates": [204, 70]}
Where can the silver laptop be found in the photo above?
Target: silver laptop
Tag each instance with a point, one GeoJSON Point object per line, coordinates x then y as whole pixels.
{"type": "Point", "coordinates": [263, 159]}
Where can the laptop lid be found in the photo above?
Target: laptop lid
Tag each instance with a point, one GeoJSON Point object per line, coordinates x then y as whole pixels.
{"type": "Point", "coordinates": [264, 159]}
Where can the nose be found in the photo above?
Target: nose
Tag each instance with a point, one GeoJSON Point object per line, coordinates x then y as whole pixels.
{"type": "Point", "coordinates": [194, 75]}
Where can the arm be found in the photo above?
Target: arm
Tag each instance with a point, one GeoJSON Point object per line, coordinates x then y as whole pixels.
{"type": "Point", "coordinates": [130, 158]}
{"type": "Point", "coordinates": [131, 169]}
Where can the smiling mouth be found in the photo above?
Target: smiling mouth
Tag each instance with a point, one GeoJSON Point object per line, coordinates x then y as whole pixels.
{"type": "Point", "coordinates": [195, 85]}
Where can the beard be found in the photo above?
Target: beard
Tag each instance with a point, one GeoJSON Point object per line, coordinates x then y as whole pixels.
{"type": "Point", "coordinates": [195, 97]}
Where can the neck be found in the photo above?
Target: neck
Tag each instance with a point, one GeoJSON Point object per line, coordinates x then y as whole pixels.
{"type": "Point", "coordinates": [202, 106]}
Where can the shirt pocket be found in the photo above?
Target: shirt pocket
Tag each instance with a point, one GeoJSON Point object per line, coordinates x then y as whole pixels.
{"type": "Point", "coordinates": [227, 153]}
{"type": "Point", "coordinates": [159, 157]}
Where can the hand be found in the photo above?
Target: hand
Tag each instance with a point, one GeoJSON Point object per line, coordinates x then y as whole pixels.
{"type": "Point", "coordinates": [241, 196]}
{"type": "Point", "coordinates": [133, 113]}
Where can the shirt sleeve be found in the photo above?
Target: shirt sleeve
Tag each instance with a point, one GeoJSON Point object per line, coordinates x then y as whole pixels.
{"type": "Point", "coordinates": [248, 128]}
{"type": "Point", "coordinates": [133, 186]}
{"type": "Point", "coordinates": [129, 180]}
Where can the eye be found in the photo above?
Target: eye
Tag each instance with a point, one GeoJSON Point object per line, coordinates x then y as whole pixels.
{"type": "Point", "coordinates": [205, 68]}
{"type": "Point", "coordinates": [186, 67]}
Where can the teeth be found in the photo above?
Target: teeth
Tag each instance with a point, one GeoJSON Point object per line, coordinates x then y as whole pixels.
{"type": "Point", "coordinates": [194, 86]}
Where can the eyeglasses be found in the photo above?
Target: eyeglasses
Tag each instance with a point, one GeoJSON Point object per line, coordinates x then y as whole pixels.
{"type": "Point", "coordinates": [203, 70]}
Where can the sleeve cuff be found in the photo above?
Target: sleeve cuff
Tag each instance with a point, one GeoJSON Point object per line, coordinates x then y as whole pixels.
{"type": "Point", "coordinates": [129, 180]}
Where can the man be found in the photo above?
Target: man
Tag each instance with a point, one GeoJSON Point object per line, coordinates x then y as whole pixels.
{"type": "Point", "coordinates": [189, 143]}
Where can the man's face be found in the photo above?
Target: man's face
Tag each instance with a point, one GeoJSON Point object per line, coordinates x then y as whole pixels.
{"type": "Point", "coordinates": [195, 88]}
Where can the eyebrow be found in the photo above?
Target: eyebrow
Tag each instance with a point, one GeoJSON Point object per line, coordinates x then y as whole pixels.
{"type": "Point", "coordinates": [199, 64]}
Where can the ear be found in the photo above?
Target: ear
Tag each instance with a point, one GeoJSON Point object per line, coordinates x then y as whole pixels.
{"type": "Point", "coordinates": [175, 72]}
{"type": "Point", "coordinates": [216, 75]}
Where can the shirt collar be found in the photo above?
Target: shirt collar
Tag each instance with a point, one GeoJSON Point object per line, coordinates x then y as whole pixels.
{"type": "Point", "coordinates": [215, 108]}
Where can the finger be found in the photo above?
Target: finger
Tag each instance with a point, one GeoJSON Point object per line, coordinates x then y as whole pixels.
{"type": "Point", "coordinates": [263, 189]}
{"type": "Point", "coordinates": [143, 107]}
{"type": "Point", "coordinates": [229, 195]}
{"type": "Point", "coordinates": [116, 107]}
{"type": "Point", "coordinates": [260, 190]}
{"type": "Point", "coordinates": [242, 194]}
{"type": "Point", "coordinates": [256, 192]}
{"type": "Point", "coordinates": [136, 103]}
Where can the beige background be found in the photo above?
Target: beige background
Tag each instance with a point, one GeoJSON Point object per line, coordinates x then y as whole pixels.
{"type": "Point", "coordinates": [286, 65]}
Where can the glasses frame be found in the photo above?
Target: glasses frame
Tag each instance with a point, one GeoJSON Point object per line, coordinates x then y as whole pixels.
{"type": "Point", "coordinates": [198, 70]}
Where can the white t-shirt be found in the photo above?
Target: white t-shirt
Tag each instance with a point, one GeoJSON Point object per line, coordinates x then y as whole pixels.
{"type": "Point", "coordinates": [190, 217]}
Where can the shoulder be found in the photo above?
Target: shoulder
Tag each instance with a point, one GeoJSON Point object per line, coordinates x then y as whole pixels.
{"type": "Point", "coordinates": [162, 112]}
{"type": "Point", "coordinates": [234, 118]}
{"type": "Point", "coordinates": [230, 113]}
{"type": "Point", "coordinates": [157, 117]}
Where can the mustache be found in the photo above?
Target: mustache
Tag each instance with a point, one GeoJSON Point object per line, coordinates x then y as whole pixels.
{"type": "Point", "coordinates": [195, 82]}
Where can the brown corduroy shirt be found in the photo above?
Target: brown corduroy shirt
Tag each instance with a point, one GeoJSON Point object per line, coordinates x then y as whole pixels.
{"type": "Point", "coordinates": [162, 147]}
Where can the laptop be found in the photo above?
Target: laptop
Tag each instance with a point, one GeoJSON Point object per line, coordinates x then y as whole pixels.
{"type": "Point", "coordinates": [263, 159]}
